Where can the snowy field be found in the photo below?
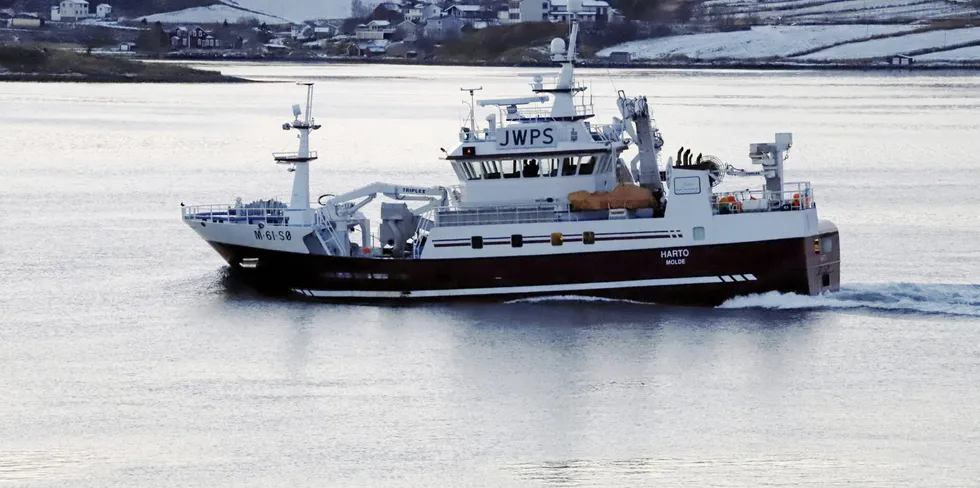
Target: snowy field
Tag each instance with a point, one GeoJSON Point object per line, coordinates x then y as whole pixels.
{"type": "Point", "coordinates": [760, 42]}
{"type": "Point", "coordinates": [897, 45]}
{"type": "Point", "coordinates": [212, 14]}
{"type": "Point", "coordinates": [268, 11]}
{"type": "Point", "coordinates": [831, 11]}
{"type": "Point", "coordinates": [298, 10]}
{"type": "Point", "coordinates": [961, 54]}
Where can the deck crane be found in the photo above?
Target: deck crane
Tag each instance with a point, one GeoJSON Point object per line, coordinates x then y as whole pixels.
{"type": "Point", "coordinates": [639, 124]}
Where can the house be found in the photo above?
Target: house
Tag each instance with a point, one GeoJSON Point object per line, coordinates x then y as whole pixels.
{"type": "Point", "coordinates": [324, 31]}
{"type": "Point", "coordinates": [374, 47]}
{"type": "Point", "coordinates": [443, 28]}
{"type": "Point", "coordinates": [531, 10]}
{"type": "Point", "coordinates": [420, 11]}
{"type": "Point", "coordinates": [302, 32]}
{"type": "Point", "coordinates": [901, 60]}
{"type": "Point", "coordinates": [374, 30]}
{"type": "Point", "coordinates": [468, 12]}
{"type": "Point", "coordinates": [70, 11]}
{"type": "Point", "coordinates": [127, 46]}
{"type": "Point", "coordinates": [194, 38]}
{"type": "Point", "coordinates": [620, 57]}
{"type": "Point", "coordinates": [23, 22]}
{"type": "Point", "coordinates": [597, 11]}
{"type": "Point", "coordinates": [406, 28]}
{"type": "Point", "coordinates": [103, 10]}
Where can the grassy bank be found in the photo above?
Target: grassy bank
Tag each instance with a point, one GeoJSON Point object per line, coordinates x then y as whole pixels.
{"type": "Point", "coordinates": [32, 63]}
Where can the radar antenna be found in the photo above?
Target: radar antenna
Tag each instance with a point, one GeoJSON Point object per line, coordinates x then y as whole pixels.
{"type": "Point", "coordinates": [472, 106]}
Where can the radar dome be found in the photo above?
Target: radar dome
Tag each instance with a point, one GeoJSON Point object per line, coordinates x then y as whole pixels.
{"type": "Point", "coordinates": [574, 6]}
{"type": "Point", "coordinates": [557, 46]}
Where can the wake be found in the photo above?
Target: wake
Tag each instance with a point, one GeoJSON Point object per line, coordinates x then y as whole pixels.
{"type": "Point", "coordinates": [913, 298]}
{"type": "Point", "coordinates": [897, 298]}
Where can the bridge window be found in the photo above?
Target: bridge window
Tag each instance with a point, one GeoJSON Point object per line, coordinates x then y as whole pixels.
{"type": "Point", "coordinates": [468, 170]}
{"type": "Point", "coordinates": [587, 166]}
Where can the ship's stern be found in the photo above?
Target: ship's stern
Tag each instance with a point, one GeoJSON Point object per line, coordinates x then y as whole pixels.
{"type": "Point", "coordinates": [823, 259]}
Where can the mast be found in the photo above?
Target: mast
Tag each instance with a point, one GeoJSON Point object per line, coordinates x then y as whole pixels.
{"type": "Point", "coordinates": [299, 161]}
{"type": "Point", "coordinates": [300, 199]}
{"type": "Point", "coordinates": [564, 105]}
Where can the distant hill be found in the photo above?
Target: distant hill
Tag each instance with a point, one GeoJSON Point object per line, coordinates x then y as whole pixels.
{"type": "Point", "coordinates": [293, 10]}
{"type": "Point", "coordinates": [129, 8]}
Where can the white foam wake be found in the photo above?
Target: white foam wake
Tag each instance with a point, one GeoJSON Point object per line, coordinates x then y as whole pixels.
{"type": "Point", "coordinates": [571, 298]}
{"type": "Point", "coordinates": [896, 297]}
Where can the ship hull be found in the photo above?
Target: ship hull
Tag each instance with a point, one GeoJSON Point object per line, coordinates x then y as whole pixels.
{"type": "Point", "coordinates": [689, 275]}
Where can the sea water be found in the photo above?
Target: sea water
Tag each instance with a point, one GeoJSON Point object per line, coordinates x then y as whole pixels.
{"type": "Point", "coordinates": [128, 357]}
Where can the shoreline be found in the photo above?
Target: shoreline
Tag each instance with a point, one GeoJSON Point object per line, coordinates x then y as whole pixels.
{"type": "Point", "coordinates": [107, 78]}
{"type": "Point", "coordinates": [588, 63]}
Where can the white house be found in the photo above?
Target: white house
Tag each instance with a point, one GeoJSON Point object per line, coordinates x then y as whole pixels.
{"type": "Point", "coordinates": [70, 10]}
{"type": "Point", "coordinates": [468, 12]}
{"type": "Point", "coordinates": [592, 10]}
{"type": "Point", "coordinates": [420, 11]}
{"type": "Point", "coordinates": [442, 28]}
{"type": "Point", "coordinates": [103, 11]}
{"type": "Point", "coordinates": [533, 10]}
{"type": "Point", "coordinates": [556, 11]}
{"type": "Point", "coordinates": [374, 30]}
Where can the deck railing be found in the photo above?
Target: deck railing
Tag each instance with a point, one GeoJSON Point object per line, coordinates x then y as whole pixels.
{"type": "Point", "coordinates": [502, 214]}
{"type": "Point", "coordinates": [236, 214]}
{"type": "Point", "coordinates": [793, 196]}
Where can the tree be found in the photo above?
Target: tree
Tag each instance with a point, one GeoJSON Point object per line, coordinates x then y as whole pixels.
{"type": "Point", "coordinates": [143, 21]}
{"type": "Point", "coordinates": [383, 13]}
{"type": "Point", "coordinates": [637, 9]}
{"type": "Point", "coordinates": [358, 10]}
{"type": "Point", "coordinates": [685, 11]}
{"type": "Point", "coordinates": [225, 24]}
{"type": "Point", "coordinates": [97, 37]}
{"type": "Point", "coordinates": [153, 39]}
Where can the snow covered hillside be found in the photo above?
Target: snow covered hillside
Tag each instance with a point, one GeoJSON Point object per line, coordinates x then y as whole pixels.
{"type": "Point", "coordinates": [760, 42]}
{"type": "Point", "coordinates": [838, 11]}
{"type": "Point", "coordinates": [268, 11]}
{"type": "Point", "coordinates": [877, 48]}
{"type": "Point", "coordinates": [813, 43]}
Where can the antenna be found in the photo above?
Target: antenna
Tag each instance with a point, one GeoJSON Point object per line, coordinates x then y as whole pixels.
{"type": "Point", "coordinates": [472, 106]}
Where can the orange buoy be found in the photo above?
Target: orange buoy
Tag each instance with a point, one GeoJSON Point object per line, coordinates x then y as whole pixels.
{"type": "Point", "coordinates": [367, 250]}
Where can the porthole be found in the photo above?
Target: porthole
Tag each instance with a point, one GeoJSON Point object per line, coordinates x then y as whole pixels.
{"type": "Point", "coordinates": [827, 244]}
{"type": "Point", "coordinates": [698, 233]}
{"type": "Point", "coordinates": [517, 240]}
{"type": "Point", "coordinates": [476, 242]}
{"type": "Point", "coordinates": [556, 239]}
{"type": "Point", "coordinates": [588, 237]}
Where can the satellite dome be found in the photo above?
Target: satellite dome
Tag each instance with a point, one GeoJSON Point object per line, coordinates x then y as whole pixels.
{"type": "Point", "coordinates": [557, 46]}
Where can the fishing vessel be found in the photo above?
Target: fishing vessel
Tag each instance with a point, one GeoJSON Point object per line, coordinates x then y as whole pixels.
{"type": "Point", "coordinates": [545, 205]}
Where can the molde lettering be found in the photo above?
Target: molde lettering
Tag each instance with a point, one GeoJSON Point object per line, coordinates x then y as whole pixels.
{"type": "Point", "coordinates": [527, 137]}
